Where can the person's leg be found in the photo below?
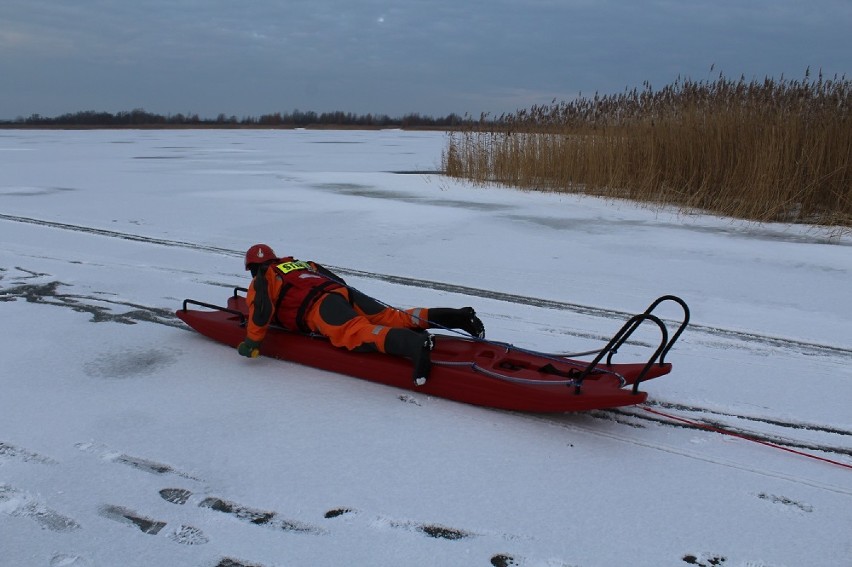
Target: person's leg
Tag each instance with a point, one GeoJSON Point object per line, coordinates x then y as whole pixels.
{"type": "Point", "coordinates": [464, 318]}
{"type": "Point", "coordinates": [380, 314]}
{"type": "Point", "coordinates": [418, 318]}
{"type": "Point", "coordinates": [335, 318]}
{"type": "Point", "coordinates": [415, 345]}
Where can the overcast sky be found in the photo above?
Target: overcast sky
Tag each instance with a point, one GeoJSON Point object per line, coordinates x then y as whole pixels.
{"type": "Point", "coordinates": [433, 57]}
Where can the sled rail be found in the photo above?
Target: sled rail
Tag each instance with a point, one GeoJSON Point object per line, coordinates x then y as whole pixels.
{"type": "Point", "coordinates": [239, 314]}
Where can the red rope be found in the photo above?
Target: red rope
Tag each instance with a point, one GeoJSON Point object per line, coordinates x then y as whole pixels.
{"type": "Point", "coordinates": [745, 437]}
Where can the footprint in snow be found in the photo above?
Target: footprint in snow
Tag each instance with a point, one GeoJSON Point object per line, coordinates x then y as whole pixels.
{"type": "Point", "coordinates": [68, 560]}
{"type": "Point", "coordinates": [19, 504]}
{"type": "Point", "coordinates": [146, 465]}
{"type": "Point", "coordinates": [10, 451]}
{"type": "Point", "coordinates": [184, 535]}
{"type": "Point", "coordinates": [506, 560]}
{"type": "Point", "coordinates": [231, 562]}
{"type": "Point", "coordinates": [705, 560]}
{"type": "Point", "coordinates": [784, 501]}
{"type": "Point", "coordinates": [268, 518]}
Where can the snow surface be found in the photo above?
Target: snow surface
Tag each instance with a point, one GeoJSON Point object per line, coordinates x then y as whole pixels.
{"type": "Point", "coordinates": [110, 408]}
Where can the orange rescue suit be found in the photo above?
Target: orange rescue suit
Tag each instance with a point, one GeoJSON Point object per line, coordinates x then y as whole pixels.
{"type": "Point", "coordinates": [289, 292]}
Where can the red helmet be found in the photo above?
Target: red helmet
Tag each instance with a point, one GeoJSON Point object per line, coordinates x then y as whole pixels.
{"type": "Point", "coordinates": [258, 254]}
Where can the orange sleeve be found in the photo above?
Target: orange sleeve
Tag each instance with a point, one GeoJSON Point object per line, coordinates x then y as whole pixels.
{"type": "Point", "coordinates": [260, 298]}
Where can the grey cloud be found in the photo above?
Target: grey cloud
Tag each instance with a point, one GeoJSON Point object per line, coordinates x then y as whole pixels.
{"type": "Point", "coordinates": [432, 57]}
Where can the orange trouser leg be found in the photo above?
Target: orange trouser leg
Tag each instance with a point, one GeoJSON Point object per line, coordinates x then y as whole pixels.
{"type": "Point", "coordinates": [380, 314]}
{"type": "Point", "coordinates": [349, 327]}
{"type": "Point", "coordinates": [408, 318]}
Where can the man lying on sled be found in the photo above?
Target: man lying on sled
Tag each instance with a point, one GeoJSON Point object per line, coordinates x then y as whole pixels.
{"type": "Point", "coordinates": [306, 297]}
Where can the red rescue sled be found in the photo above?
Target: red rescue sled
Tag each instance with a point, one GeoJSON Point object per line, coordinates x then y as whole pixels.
{"type": "Point", "coordinates": [473, 371]}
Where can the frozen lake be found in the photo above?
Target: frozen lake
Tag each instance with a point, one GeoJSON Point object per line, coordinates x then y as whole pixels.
{"type": "Point", "coordinates": [126, 439]}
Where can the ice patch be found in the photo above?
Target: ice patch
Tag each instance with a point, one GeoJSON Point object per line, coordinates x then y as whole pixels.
{"type": "Point", "coordinates": [130, 363]}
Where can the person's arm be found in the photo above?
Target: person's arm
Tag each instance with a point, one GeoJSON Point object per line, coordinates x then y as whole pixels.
{"type": "Point", "coordinates": [260, 312]}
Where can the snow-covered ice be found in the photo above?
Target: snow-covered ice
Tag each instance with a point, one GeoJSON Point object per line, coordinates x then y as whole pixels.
{"type": "Point", "coordinates": [126, 439]}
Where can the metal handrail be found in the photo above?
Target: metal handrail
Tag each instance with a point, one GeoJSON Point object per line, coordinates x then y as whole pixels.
{"type": "Point", "coordinates": [618, 339]}
{"type": "Point", "coordinates": [239, 314]}
{"type": "Point", "coordinates": [648, 311]}
{"type": "Point", "coordinates": [683, 323]}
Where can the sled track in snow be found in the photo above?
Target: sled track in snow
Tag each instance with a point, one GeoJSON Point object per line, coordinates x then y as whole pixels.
{"type": "Point", "coordinates": [119, 235]}
{"type": "Point", "coordinates": [726, 421]}
{"type": "Point", "coordinates": [830, 439]}
{"type": "Point", "coordinates": [755, 468]}
{"type": "Point", "coordinates": [805, 347]}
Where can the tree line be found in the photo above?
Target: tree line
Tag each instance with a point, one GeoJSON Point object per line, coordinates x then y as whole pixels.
{"type": "Point", "coordinates": [295, 119]}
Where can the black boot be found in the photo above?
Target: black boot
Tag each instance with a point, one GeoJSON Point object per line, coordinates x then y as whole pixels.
{"type": "Point", "coordinates": [464, 319]}
{"type": "Point", "coordinates": [413, 345]}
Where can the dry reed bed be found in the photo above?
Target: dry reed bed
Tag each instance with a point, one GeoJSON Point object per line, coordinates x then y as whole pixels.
{"type": "Point", "coordinates": [775, 150]}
